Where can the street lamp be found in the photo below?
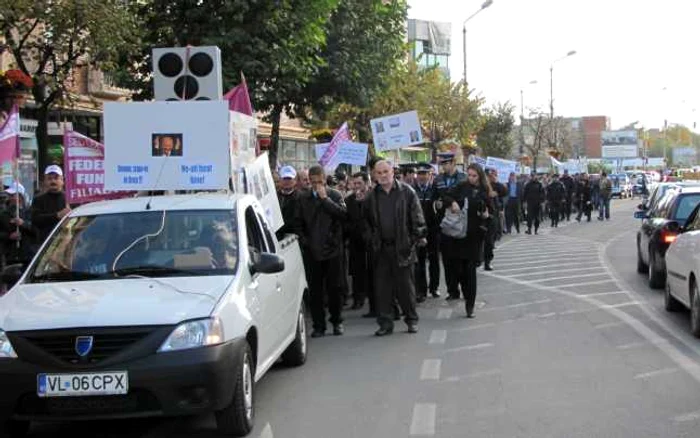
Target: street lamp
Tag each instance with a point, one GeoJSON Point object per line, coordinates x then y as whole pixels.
{"type": "Point", "coordinates": [522, 116]}
{"type": "Point", "coordinates": [551, 82]}
{"type": "Point", "coordinates": [484, 5]}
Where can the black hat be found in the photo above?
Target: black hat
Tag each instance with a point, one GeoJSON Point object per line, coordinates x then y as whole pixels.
{"type": "Point", "coordinates": [446, 157]}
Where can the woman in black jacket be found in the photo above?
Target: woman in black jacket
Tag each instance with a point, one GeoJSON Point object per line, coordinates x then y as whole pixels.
{"type": "Point", "coordinates": [465, 254]}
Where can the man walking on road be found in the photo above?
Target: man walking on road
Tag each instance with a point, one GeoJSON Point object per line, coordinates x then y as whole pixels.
{"type": "Point", "coordinates": [605, 193]}
{"type": "Point", "coordinates": [556, 193]}
{"type": "Point", "coordinates": [534, 196]}
{"type": "Point", "coordinates": [395, 226]}
{"type": "Point", "coordinates": [360, 262]}
{"type": "Point", "coordinates": [323, 213]}
{"type": "Point", "coordinates": [429, 253]}
{"type": "Point", "coordinates": [583, 193]}
{"type": "Point", "coordinates": [570, 187]}
{"type": "Point", "coordinates": [493, 223]}
{"type": "Point", "coordinates": [515, 194]}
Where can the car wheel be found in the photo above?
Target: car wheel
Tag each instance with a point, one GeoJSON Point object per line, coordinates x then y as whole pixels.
{"type": "Point", "coordinates": [237, 418]}
{"type": "Point", "coordinates": [656, 279]}
{"type": "Point", "coordinates": [14, 429]}
{"type": "Point", "coordinates": [295, 354]}
{"type": "Point", "coordinates": [642, 267]}
{"type": "Point", "coordinates": [694, 309]}
{"type": "Point", "coordinates": [671, 304]}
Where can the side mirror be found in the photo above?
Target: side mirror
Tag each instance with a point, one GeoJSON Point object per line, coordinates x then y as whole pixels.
{"type": "Point", "coordinates": [266, 263]}
{"type": "Point", "coordinates": [11, 274]}
{"type": "Point", "coordinates": [674, 227]}
{"type": "Point", "coordinates": [640, 215]}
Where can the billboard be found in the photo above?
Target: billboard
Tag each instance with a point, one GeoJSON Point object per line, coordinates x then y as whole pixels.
{"type": "Point", "coordinates": [684, 156]}
{"type": "Point", "coordinates": [619, 144]}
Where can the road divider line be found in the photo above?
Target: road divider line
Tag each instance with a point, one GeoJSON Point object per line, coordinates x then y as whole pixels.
{"type": "Point", "coordinates": [603, 294]}
{"type": "Point", "coordinates": [438, 337]}
{"type": "Point", "coordinates": [540, 261]}
{"type": "Point", "coordinates": [556, 265]}
{"type": "Point", "coordinates": [430, 369]}
{"type": "Point", "coordinates": [423, 419]}
{"type": "Point", "coordinates": [514, 306]}
{"type": "Point", "coordinates": [609, 325]}
{"type": "Point", "coordinates": [475, 327]}
{"type": "Point", "coordinates": [656, 373]}
{"type": "Point", "coordinates": [588, 283]}
{"type": "Point", "coordinates": [476, 375]}
{"type": "Point", "coordinates": [548, 255]}
{"type": "Point", "coordinates": [470, 347]}
{"type": "Point", "coordinates": [569, 277]}
{"type": "Point", "coordinates": [530, 274]}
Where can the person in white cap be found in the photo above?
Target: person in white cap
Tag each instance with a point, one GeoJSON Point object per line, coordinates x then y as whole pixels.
{"type": "Point", "coordinates": [50, 207]}
{"type": "Point", "coordinates": [288, 196]}
{"type": "Point", "coordinates": [17, 234]}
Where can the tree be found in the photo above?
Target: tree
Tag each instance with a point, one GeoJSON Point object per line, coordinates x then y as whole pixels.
{"type": "Point", "coordinates": [535, 137]}
{"type": "Point", "coordinates": [49, 39]}
{"type": "Point", "coordinates": [277, 45]}
{"type": "Point", "coordinates": [494, 137]}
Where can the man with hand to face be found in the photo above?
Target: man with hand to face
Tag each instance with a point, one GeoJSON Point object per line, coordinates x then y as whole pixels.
{"type": "Point", "coordinates": [50, 207]}
{"type": "Point", "coordinates": [322, 215]}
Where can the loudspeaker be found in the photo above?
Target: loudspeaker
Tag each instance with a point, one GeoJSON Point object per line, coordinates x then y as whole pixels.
{"type": "Point", "coordinates": [187, 73]}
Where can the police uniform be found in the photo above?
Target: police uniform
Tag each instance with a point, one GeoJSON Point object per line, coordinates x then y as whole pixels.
{"type": "Point", "coordinates": [430, 252]}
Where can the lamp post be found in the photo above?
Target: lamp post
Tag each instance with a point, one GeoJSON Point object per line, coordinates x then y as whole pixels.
{"type": "Point", "coordinates": [551, 92]}
{"type": "Point", "coordinates": [521, 150]}
{"type": "Point", "coordinates": [484, 5]}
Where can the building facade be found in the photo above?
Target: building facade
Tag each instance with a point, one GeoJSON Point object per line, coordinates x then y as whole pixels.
{"type": "Point", "coordinates": [430, 43]}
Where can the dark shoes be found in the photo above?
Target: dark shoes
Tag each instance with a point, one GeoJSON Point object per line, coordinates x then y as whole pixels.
{"type": "Point", "coordinates": [435, 294]}
{"type": "Point", "coordinates": [420, 299]}
{"type": "Point", "coordinates": [384, 331]}
{"type": "Point", "coordinates": [487, 267]}
{"type": "Point", "coordinates": [357, 305]}
{"type": "Point", "coordinates": [412, 328]}
{"type": "Point", "coordinates": [369, 315]}
{"type": "Point", "coordinates": [470, 314]}
{"type": "Point", "coordinates": [318, 334]}
{"type": "Point", "coordinates": [338, 330]}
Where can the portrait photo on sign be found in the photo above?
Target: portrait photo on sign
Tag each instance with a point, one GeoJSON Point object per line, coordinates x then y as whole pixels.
{"type": "Point", "coordinates": [257, 187]}
{"type": "Point", "coordinates": [380, 127]}
{"type": "Point", "coordinates": [414, 136]}
{"type": "Point", "coordinates": [265, 187]}
{"type": "Point", "coordinates": [394, 122]}
{"type": "Point", "coordinates": [166, 145]}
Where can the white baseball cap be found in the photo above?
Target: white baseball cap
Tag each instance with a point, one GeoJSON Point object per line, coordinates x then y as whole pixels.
{"type": "Point", "coordinates": [15, 187]}
{"type": "Point", "coordinates": [53, 169]}
{"type": "Point", "coordinates": [288, 172]}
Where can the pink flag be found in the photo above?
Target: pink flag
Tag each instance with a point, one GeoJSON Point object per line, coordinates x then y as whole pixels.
{"type": "Point", "coordinates": [239, 99]}
{"type": "Point", "coordinates": [328, 160]}
{"type": "Point", "coordinates": [9, 137]}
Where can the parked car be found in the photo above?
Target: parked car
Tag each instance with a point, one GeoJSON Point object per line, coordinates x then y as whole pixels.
{"type": "Point", "coordinates": [683, 270]}
{"type": "Point", "coordinates": [658, 231]}
{"type": "Point", "coordinates": [174, 305]}
{"type": "Point", "coordinates": [621, 185]}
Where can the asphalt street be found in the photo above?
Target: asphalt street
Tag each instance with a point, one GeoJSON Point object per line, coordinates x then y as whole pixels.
{"type": "Point", "coordinates": [568, 341]}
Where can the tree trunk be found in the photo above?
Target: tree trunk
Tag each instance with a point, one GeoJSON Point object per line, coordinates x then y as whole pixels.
{"type": "Point", "coordinates": [42, 140]}
{"type": "Point", "coordinates": [275, 117]}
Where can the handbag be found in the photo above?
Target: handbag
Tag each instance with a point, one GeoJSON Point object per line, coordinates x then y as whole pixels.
{"type": "Point", "coordinates": [455, 224]}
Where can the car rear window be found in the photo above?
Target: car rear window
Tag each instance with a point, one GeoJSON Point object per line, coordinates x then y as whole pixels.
{"type": "Point", "coordinates": [686, 205]}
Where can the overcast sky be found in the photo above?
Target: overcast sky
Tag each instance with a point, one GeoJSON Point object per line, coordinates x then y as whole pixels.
{"type": "Point", "coordinates": [627, 52]}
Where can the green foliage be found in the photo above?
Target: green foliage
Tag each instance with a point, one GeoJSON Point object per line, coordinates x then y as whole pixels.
{"type": "Point", "coordinates": [495, 136]}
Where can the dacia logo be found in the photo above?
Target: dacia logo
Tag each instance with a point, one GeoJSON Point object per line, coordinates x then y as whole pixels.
{"type": "Point", "coordinates": [83, 345]}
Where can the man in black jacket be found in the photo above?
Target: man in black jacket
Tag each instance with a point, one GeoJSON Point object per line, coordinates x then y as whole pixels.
{"type": "Point", "coordinates": [570, 186]}
{"type": "Point", "coordinates": [429, 253]}
{"type": "Point", "coordinates": [556, 193]}
{"type": "Point", "coordinates": [583, 193]}
{"type": "Point", "coordinates": [515, 194]}
{"type": "Point", "coordinates": [288, 196]}
{"type": "Point", "coordinates": [493, 223]}
{"type": "Point", "coordinates": [395, 227]}
{"type": "Point", "coordinates": [534, 196]}
{"type": "Point", "coordinates": [50, 207]}
{"type": "Point", "coordinates": [322, 213]}
{"type": "Point", "coordinates": [359, 259]}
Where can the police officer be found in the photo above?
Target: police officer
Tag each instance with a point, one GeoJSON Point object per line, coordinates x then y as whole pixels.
{"type": "Point", "coordinates": [570, 187]}
{"type": "Point", "coordinates": [493, 223]}
{"type": "Point", "coordinates": [424, 188]}
{"type": "Point", "coordinates": [442, 185]}
{"type": "Point", "coordinates": [534, 196]}
{"type": "Point", "coordinates": [556, 194]}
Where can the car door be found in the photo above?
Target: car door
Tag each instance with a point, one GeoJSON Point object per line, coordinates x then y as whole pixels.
{"type": "Point", "coordinates": [262, 290]}
{"type": "Point", "coordinates": [683, 258]}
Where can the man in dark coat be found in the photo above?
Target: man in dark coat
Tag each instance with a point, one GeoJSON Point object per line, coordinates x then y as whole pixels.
{"type": "Point", "coordinates": [570, 187]}
{"type": "Point", "coordinates": [323, 213]}
{"type": "Point", "coordinates": [583, 193]}
{"type": "Point", "coordinates": [360, 263]}
{"type": "Point", "coordinates": [430, 252]}
{"type": "Point", "coordinates": [493, 223]}
{"type": "Point", "coordinates": [514, 195]}
{"type": "Point", "coordinates": [50, 207]}
{"type": "Point", "coordinates": [556, 194]}
{"type": "Point", "coordinates": [288, 196]}
{"type": "Point", "coordinates": [534, 196]}
{"type": "Point", "coordinates": [395, 227]}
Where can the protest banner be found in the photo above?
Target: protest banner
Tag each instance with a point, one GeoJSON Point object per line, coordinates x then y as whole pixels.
{"type": "Point", "coordinates": [474, 159]}
{"type": "Point", "coordinates": [83, 164]}
{"type": "Point", "coordinates": [329, 159]}
{"type": "Point", "coordinates": [259, 183]}
{"type": "Point", "coordinates": [162, 146]}
{"type": "Point", "coordinates": [348, 153]}
{"type": "Point", "coordinates": [396, 131]}
{"type": "Point", "coordinates": [503, 167]}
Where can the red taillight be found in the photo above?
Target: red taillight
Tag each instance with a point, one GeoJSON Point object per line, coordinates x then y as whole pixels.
{"type": "Point", "coordinates": [668, 237]}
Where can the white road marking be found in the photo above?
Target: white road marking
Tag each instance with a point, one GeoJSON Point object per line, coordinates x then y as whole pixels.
{"type": "Point", "coordinates": [423, 420]}
{"type": "Point", "coordinates": [438, 337]}
{"type": "Point", "coordinates": [530, 274]}
{"type": "Point", "coordinates": [690, 416]}
{"type": "Point", "coordinates": [602, 294]}
{"type": "Point", "coordinates": [569, 277]}
{"type": "Point", "coordinates": [514, 306]}
{"type": "Point", "coordinates": [527, 250]}
{"type": "Point", "coordinates": [547, 315]}
{"type": "Point", "coordinates": [470, 347]}
{"type": "Point", "coordinates": [546, 256]}
{"type": "Point", "coordinates": [641, 344]}
{"type": "Point", "coordinates": [577, 311]}
{"type": "Point", "coordinates": [555, 265]}
{"type": "Point", "coordinates": [630, 303]}
{"type": "Point", "coordinates": [475, 327]}
{"type": "Point", "coordinates": [476, 375]}
{"type": "Point", "coordinates": [609, 325]}
{"type": "Point", "coordinates": [539, 261]}
{"type": "Point", "coordinates": [656, 373]}
{"type": "Point", "coordinates": [588, 283]}
{"type": "Point", "coordinates": [430, 369]}
{"type": "Point", "coordinates": [267, 432]}
{"type": "Point", "coordinates": [444, 314]}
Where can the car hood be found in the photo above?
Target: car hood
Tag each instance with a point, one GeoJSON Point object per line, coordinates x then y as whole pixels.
{"type": "Point", "coordinates": [110, 303]}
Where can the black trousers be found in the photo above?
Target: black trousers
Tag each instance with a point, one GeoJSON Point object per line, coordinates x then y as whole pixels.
{"type": "Point", "coordinates": [584, 208]}
{"type": "Point", "coordinates": [325, 285]}
{"type": "Point", "coordinates": [513, 214]}
{"type": "Point", "coordinates": [363, 283]}
{"type": "Point", "coordinates": [464, 277]}
{"type": "Point", "coordinates": [554, 212]}
{"type": "Point", "coordinates": [566, 211]}
{"type": "Point", "coordinates": [431, 255]}
{"type": "Point", "coordinates": [493, 224]}
{"type": "Point", "coordinates": [393, 282]}
{"type": "Point", "coordinates": [533, 215]}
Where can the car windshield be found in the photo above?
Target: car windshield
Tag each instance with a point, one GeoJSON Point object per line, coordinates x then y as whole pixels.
{"type": "Point", "coordinates": [686, 205]}
{"type": "Point", "coordinates": [150, 244]}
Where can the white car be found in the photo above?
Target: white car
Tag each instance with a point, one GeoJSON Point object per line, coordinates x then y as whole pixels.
{"type": "Point", "coordinates": [683, 271]}
{"type": "Point", "coordinates": [172, 305]}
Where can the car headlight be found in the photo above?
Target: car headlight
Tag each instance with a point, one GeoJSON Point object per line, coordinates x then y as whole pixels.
{"type": "Point", "coordinates": [194, 334]}
{"type": "Point", "coordinates": [6, 350]}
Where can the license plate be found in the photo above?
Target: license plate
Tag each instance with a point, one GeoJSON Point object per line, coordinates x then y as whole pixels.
{"type": "Point", "coordinates": [73, 385]}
